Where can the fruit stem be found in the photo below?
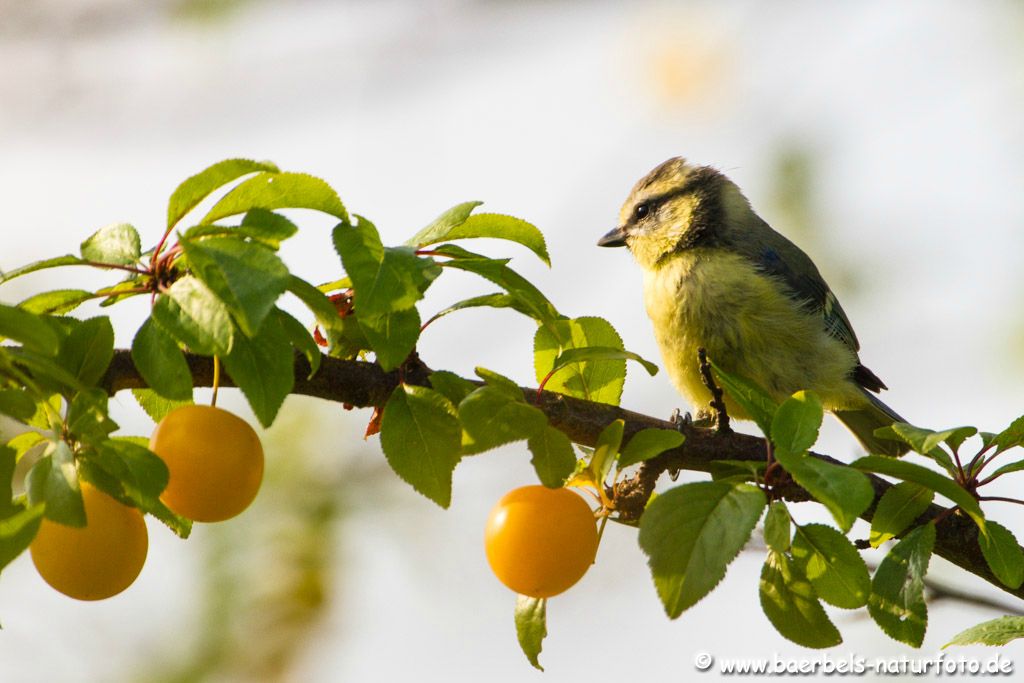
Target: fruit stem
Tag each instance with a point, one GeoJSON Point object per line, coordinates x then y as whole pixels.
{"type": "Point", "coordinates": [600, 531]}
{"type": "Point", "coordinates": [216, 380]}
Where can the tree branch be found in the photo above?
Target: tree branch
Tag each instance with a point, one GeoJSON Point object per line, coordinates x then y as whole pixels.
{"type": "Point", "coordinates": [364, 384]}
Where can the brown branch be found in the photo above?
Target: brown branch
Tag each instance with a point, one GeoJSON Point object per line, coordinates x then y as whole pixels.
{"type": "Point", "coordinates": [365, 384]}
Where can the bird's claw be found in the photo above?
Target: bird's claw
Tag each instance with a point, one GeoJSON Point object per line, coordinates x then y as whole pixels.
{"type": "Point", "coordinates": [683, 421]}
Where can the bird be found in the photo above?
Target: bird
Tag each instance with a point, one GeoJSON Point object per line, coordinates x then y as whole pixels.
{"type": "Point", "coordinates": [718, 277]}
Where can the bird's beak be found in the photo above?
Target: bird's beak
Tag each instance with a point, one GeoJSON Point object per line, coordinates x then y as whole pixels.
{"type": "Point", "coordinates": [613, 238]}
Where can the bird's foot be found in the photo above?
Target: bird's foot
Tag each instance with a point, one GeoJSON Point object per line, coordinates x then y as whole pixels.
{"type": "Point", "coordinates": [683, 421]}
{"type": "Point", "coordinates": [680, 420]}
{"type": "Point", "coordinates": [705, 419]}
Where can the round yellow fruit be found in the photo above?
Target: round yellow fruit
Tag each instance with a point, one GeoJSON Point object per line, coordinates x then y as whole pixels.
{"type": "Point", "coordinates": [540, 541]}
{"type": "Point", "coordinates": [215, 462]}
{"type": "Point", "coordinates": [96, 561]}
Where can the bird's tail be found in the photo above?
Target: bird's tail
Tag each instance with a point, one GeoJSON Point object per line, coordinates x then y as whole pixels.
{"type": "Point", "coordinates": [864, 421]}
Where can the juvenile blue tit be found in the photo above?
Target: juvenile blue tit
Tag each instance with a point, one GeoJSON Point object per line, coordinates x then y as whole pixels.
{"type": "Point", "coordinates": [717, 276]}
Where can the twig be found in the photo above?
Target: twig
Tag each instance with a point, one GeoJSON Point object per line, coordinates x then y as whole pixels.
{"type": "Point", "coordinates": [1002, 499]}
{"type": "Point", "coordinates": [717, 396]}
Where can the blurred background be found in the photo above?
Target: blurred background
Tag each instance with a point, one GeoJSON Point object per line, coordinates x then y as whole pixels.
{"type": "Point", "coordinates": [884, 139]}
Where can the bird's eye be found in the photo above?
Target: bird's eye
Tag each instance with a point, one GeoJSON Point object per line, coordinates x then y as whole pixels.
{"type": "Point", "coordinates": [642, 210]}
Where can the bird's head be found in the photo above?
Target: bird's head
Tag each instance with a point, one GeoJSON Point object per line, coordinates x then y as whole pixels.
{"type": "Point", "coordinates": [676, 206]}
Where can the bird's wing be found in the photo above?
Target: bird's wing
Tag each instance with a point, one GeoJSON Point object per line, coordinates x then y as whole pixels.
{"type": "Point", "coordinates": [780, 258]}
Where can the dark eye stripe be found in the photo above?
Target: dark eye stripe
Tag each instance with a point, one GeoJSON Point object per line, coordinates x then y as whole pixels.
{"type": "Point", "coordinates": [698, 180]}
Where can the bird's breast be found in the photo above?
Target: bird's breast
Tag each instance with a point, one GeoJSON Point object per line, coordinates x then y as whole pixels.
{"type": "Point", "coordinates": [746, 322]}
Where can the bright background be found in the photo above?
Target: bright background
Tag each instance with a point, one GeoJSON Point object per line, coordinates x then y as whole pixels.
{"type": "Point", "coordinates": [884, 139]}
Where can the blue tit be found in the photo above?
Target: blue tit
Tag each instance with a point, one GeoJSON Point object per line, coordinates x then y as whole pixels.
{"type": "Point", "coordinates": [716, 276]}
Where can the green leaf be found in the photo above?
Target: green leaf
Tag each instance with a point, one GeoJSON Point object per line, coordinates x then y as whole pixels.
{"type": "Point", "coordinates": [594, 353]}
{"type": "Point", "coordinates": [648, 443]}
{"type": "Point", "coordinates": [87, 419]}
{"type": "Point", "coordinates": [497, 271]}
{"type": "Point", "coordinates": [399, 282]}
{"type": "Point", "coordinates": [392, 336]}
{"type": "Point", "coordinates": [497, 300]}
{"type": "Point", "coordinates": [752, 398]}
{"type": "Point", "coordinates": [301, 339]}
{"type": "Point", "coordinates": [161, 363]}
{"type": "Point", "coordinates": [316, 301]}
{"type": "Point", "coordinates": [844, 491]}
{"type": "Point", "coordinates": [247, 277]}
{"type": "Point", "coordinates": [127, 472]}
{"type": "Point", "coordinates": [994, 632]}
{"type": "Point", "coordinates": [1008, 468]}
{"type": "Point", "coordinates": [744, 470]}
{"type": "Point", "coordinates": [692, 532]}
{"type": "Point", "coordinates": [181, 526]}
{"type": "Point", "coordinates": [897, 601]}
{"type": "Point", "coordinates": [22, 444]}
{"type": "Point", "coordinates": [908, 471]}
{"type": "Point", "coordinates": [956, 437]}
{"type": "Point", "coordinates": [270, 191]}
{"type": "Point", "coordinates": [491, 418]}
{"type": "Point", "coordinates": [17, 404]}
{"type": "Point", "coordinates": [531, 627]}
{"type": "Point", "coordinates": [385, 279]}
{"type": "Point", "coordinates": [88, 349]}
{"type": "Point", "coordinates": [1002, 553]}
{"type": "Point", "coordinates": [796, 423]}
{"type": "Point", "coordinates": [117, 243]}
{"type": "Point", "coordinates": [452, 386]}
{"type": "Point", "coordinates": [335, 285]}
{"type": "Point", "coordinates": [833, 566]}
{"type": "Point", "coordinates": [1011, 436]}
{"type": "Point", "coordinates": [501, 382]}
{"type": "Point", "coordinates": [553, 458]}
{"type": "Point", "coordinates": [897, 509]}
{"type": "Point", "coordinates": [17, 529]}
{"type": "Point", "coordinates": [487, 225]}
{"type": "Point", "coordinates": [443, 224]}
{"type": "Point", "coordinates": [987, 438]}
{"type": "Point", "coordinates": [55, 262]}
{"type": "Point", "coordinates": [8, 461]}
{"type": "Point", "coordinates": [155, 405]}
{"type": "Point", "coordinates": [263, 367]}
{"type": "Point", "coordinates": [736, 470]}
{"type": "Point", "coordinates": [606, 450]}
{"type": "Point", "coordinates": [924, 441]}
{"type": "Point", "coordinates": [360, 249]}
{"type": "Point", "coordinates": [125, 289]}
{"type": "Point", "coordinates": [598, 380]}
{"type": "Point", "coordinates": [141, 472]}
{"type": "Point", "coordinates": [789, 602]}
{"type": "Point", "coordinates": [49, 375]}
{"type": "Point", "coordinates": [47, 410]}
{"type": "Point", "coordinates": [53, 481]}
{"type": "Point", "coordinates": [267, 227]}
{"type": "Point", "coordinates": [198, 187]}
{"type": "Point", "coordinates": [29, 329]}
{"type": "Point", "coordinates": [777, 531]}
{"type": "Point", "coordinates": [194, 316]}
{"type": "Point", "coordinates": [420, 435]}
{"type": "Point", "coordinates": [56, 302]}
